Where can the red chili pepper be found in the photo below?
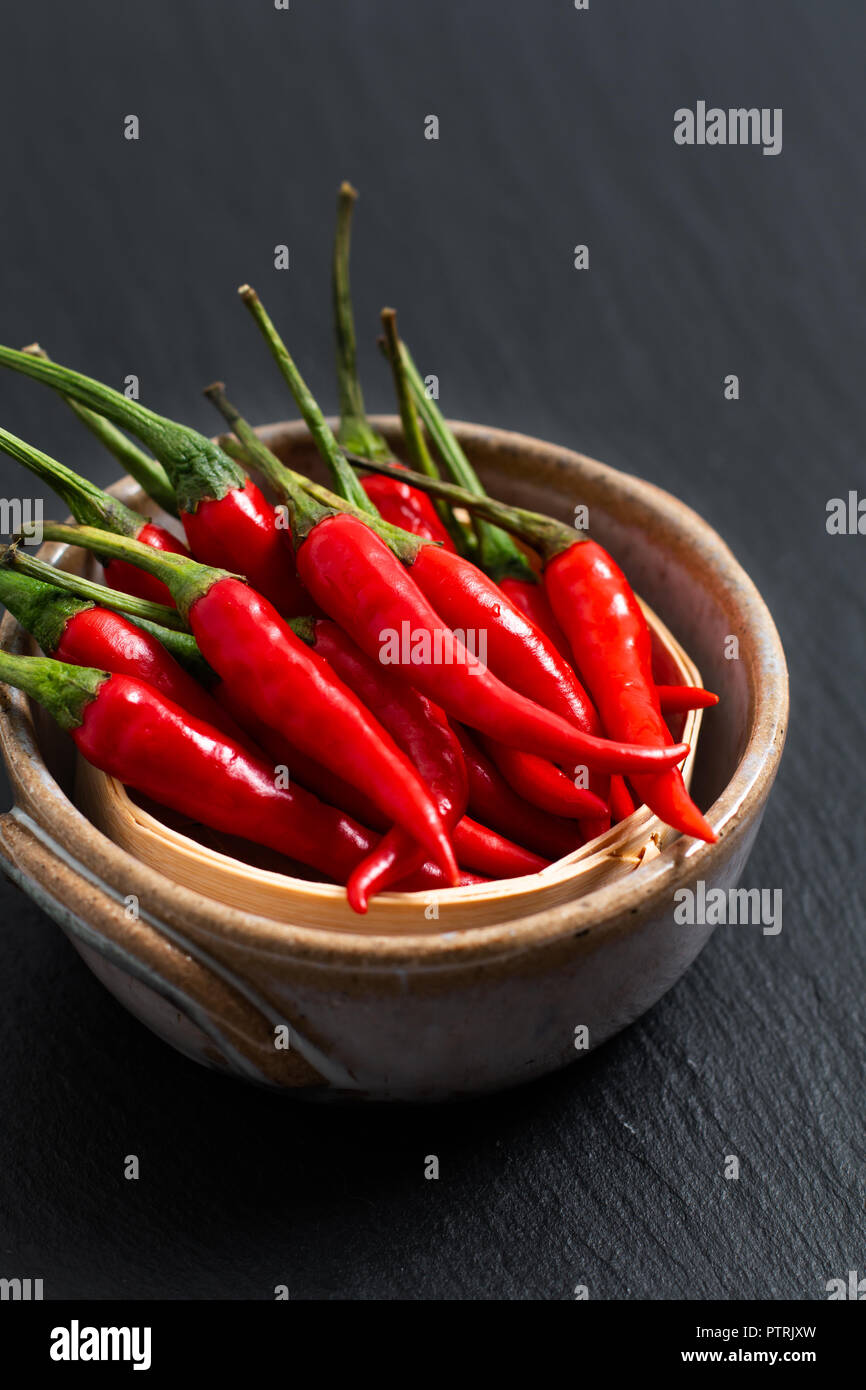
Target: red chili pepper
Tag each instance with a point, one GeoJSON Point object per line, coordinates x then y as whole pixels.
{"type": "Point", "coordinates": [493, 855]}
{"type": "Point", "coordinates": [132, 581]}
{"type": "Point", "coordinates": [81, 632]}
{"type": "Point", "coordinates": [517, 651]}
{"type": "Point", "coordinates": [395, 856]}
{"type": "Point", "coordinates": [249, 645]}
{"type": "Point", "coordinates": [525, 659]}
{"type": "Point", "coordinates": [461, 593]}
{"type": "Point", "coordinates": [419, 729]}
{"type": "Point", "coordinates": [93, 507]}
{"type": "Point", "coordinates": [530, 598]}
{"type": "Point", "coordinates": [621, 800]}
{"type": "Point", "coordinates": [408, 508]}
{"type": "Point", "coordinates": [542, 784]}
{"type": "Point", "coordinates": [480, 849]}
{"type": "Point", "coordinates": [594, 605]}
{"type": "Point", "coordinates": [598, 612]}
{"type": "Point", "coordinates": [493, 801]}
{"type": "Point", "coordinates": [226, 518]}
{"type": "Point", "coordinates": [97, 637]}
{"type": "Point", "coordinates": [680, 699]}
{"type": "Point", "coordinates": [357, 579]}
{"type": "Point", "coordinates": [135, 734]}
{"type": "Point", "coordinates": [132, 732]}
{"type": "Point", "coordinates": [303, 768]}
{"type": "Point", "coordinates": [240, 530]}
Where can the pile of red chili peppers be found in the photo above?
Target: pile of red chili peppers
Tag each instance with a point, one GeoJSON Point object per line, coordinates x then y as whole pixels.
{"type": "Point", "coordinates": [396, 682]}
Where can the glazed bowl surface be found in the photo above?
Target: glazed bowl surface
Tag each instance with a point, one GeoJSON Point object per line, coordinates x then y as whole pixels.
{"type": "Point", "coordinates": [387, 1013]}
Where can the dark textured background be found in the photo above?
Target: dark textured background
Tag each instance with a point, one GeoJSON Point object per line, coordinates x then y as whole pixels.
{"type": "Point", "coordinates": [556, 128]}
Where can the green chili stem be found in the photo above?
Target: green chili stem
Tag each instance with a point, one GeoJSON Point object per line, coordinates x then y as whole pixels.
{"type": "Point", "coordinates": [416, 445]}
{"type": "Point", "coordinates": [87, 502]}
{"type": "Point", "coordinates": [253, 453]}
{"type": "Point", "coordinates": [355, 430]}
{"type": "Point", "coordinates": [198, 469]}
{"type": "Point", "coordinates": [147, 472]}
{"type": "Point", "coordinates": [165, 624]}
{"type": "Point", "coordinates": [546, 535]}
{"type": "Point", "coordinates": [305, 512]}
{"type": "Point", "coordinates": [345, 481]}
{"type": "Point", "coordinates": [88, 589]}
{"type": "Point", "coordinates": [256, 455]}
{"type": "Point", "coordinates": [42, 610]}
{"type": "Point", "coordinates": [297, 491]}
{"type": "Point", "coordinates": [64, 690]}
{"type": "Point", "coordinates": [185, 579]}
{"type": "Point", "coordinates": [498, 554]}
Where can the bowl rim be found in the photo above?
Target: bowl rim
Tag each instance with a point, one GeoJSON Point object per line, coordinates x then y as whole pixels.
{"type": "Point", "coordinates": [619, 906]}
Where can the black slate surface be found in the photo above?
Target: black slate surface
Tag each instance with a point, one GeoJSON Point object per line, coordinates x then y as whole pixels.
{"type": "Point", "coordinates": [556, 129]}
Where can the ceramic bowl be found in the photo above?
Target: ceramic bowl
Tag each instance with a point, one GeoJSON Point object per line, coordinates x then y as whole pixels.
{"type": "Point", "coordinates": [437, 1013]}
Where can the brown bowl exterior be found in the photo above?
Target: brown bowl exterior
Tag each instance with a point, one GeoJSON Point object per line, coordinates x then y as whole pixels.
{"type": "Point", "coordinates": [430, 1016]}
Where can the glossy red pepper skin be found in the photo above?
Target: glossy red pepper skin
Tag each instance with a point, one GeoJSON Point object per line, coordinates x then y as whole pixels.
{"type": "Point", "coordinates": [315, 816]}
{"type": "Point", "coordinates": [680, 699]}
{"type": "Point", "coordinates": [129, 579]}
{"type": "Point", "coordinates": [307, 770]}
{"type": "Point", "coordinates": [621, 800]}
{"type": "Point", "coordinates": [518, 652]}
{"type": "Point", "coordinates": [521, 655]}
{"type": "Point", "coordinates": [491, 854]}
{"type": "Point", "coordinates": [417, 726]}
{"type": "Point", "coordinates": [492, 801]}
{"type": "Point", "coordinates": [239, 532]}
{"type": "Point", "coordinates": [405, 506]}
{"type": "Point", "coordinates": [421, 731]}
{"type": "Point", "coordinates": [395, 857]}
{"type": "Point", "coordinates": [532, 601]}
{"type": "Point", "coordinates": [294, 690]}
{"type": "Point", "coordinates": [542, 784]}
{"type": "Point", "coordinates": [430, 877]}
{"type": "Point", "coordinates": [481, 849]}
{"type": "Point", "coordinates": [599, 614]}
{"type": "Point", "coordinates": [358, 581]}
{"type": "Point", "coordinates": [341, 794]}
{"type": "Point", "coordinates": [132, 732]}
{"type": "Point", "coordinates": [98, 637]}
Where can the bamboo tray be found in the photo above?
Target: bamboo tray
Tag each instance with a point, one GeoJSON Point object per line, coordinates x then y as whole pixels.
{"type": "Point", "coordinates": [243, 876]}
